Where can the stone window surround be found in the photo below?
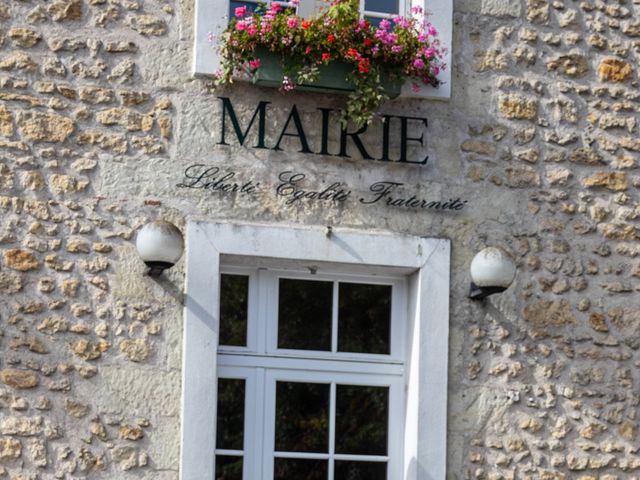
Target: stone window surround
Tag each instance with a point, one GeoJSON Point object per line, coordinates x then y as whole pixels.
{"type": "Point", "coordinates": [425, 261]}
{"type": "Point", "coordinates": [208, 20]}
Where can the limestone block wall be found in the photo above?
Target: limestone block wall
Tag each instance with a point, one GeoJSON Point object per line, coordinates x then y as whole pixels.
{"type": "Point", "coordinates": [99, 117]}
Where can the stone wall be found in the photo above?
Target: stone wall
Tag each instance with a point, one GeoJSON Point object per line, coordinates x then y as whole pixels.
{"type": "Point", "coordinates": [99, 117]}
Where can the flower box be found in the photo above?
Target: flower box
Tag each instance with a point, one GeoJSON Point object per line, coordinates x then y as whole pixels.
{"type": "Point", "coordinates": [332, 77]}
{"type": "Point", "coordinates": [334, 51]}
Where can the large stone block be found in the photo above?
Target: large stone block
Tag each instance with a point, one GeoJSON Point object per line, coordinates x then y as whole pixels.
{"type": "Point", "coordinates": [24, 37]}
{"type": "Point", "coordinates": [10, 283]}
{"type": "Point", "coordinates": [19, 379]}
{"type": "Point", "coordinates": [45, 127]}
{"type": "Point", "coordinates": [614, 70]}
{"type": "Point", "coordinates": [21, 425]}
{"type": "Point", "coordinates": [21, 260]}
{"type": "Point", "coordinates": [615, 181]}
{"type": "Point", "coordinates": [66, 10]}
{"type": "Point", "coordinates": [571, 65]}
{"type": "Point", "coordinates": [549, 314]}
{"type": "Point", "coordinates": [518, 107]}
{"type": "Point", "coordinates": [147, 24]}
{"type": "Point", "coordinates": [501, 8]}
{"type": "Point", "coordinates": [6, 122]}
{"type": "Point", "coordinates": [10, 449]}
{"type": "Point", "coordinates": [18, 61]}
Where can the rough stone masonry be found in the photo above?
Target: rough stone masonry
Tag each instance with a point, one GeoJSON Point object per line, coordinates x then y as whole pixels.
{"type": "Point", "coordinates": [99, 116]}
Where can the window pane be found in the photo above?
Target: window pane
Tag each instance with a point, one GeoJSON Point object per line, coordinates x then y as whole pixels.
{"type": "Point", "coordinates": [233, 4]}
{"type": "Point", "coordinates": [375, 21]}
{"type": "Point", "coordinates": [230, 423]}
{"type": "Point", "coordinates": [364, 318]}
{"type": "Point", "coordinates": [348, 470]}
{"type": "Point", "coordinates": [302, 417]}
{"type": "Point", "coordinates": [228, 468]}
{"type": "Point", "coordinates": [304, 314]}
{"type": "Point", "coordinates": [297, 469]}
{"type": "Point", "coordinates": [384, 6]}
{"type": "Point", "coordinates": [234, 306]}
{"type": "Point", "coordinates": [362, 419]}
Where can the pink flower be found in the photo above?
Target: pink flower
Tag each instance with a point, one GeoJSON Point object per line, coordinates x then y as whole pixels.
{"type": "Point", "coordinates": [241, 11]}
{"type": "Point", "coordinates": [295, 2]}
{"type": "Point", "coordinates": [241, 25]}
{"type": "Point", "coordinates": [254, 64]}
{"type": "Point", "coordinates": [418, 63]}
{"type": "Point", "coordinates": [415, 88]}
{"type": "Point", "coordinates": [275, 7]}
{"type": "Point", "coordinates": [432, 31]}
{"type": "Point", "coordinates": [417, 10]}
{"type": "Point", "coordinates": [401, 21]}
{"type": "Point", "coordinates": [287, 84]}
{"type": "Point", "coordinates": [252, 30]}
{"type": "Point", "coordinates": [292, 22]}
{"type": "Point", "coordinates": [397, 48]}
{"type": "Point", "coordinates": [429, 52]}
{"type": "Point", "coordinates": [385, 24]}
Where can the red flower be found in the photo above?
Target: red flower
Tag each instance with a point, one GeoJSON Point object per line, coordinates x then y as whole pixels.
{"type": "Point", "coordinates": [326, 57]}
{"type": "Point", "coordinates": [367, 42]}
{"type": "Point", "coordinates": [306, 24]}
{"type": "Point", "coordinates": [363, 66]}
{"type": "Point", "coordinates": [353, 53]}
{"type": "Point", "coordinates": [307, 51]}
{"type": "Point", "coordinates": [331, 38]}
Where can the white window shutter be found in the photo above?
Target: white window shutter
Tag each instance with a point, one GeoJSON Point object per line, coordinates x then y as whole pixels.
{"type": "Point", "coordinates": [442, 18]}
{"type": "Point", "coordinates": [211, 20]}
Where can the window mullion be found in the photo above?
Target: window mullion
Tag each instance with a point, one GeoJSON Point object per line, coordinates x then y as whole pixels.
{"type": "Point", "coordinates": [264, 428]}
{"type": "Point", "coordinates": [334, 319]}
{"type": "Point", "coordinates": [265, 314]}
{"type": "Point", "coordinates": [332, 429]}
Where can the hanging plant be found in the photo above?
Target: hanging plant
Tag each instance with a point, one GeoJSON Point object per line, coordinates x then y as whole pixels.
{"type": "Point", "coordinates": [376, 56]}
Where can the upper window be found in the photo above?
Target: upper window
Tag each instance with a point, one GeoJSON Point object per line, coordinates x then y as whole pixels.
{"type": "Point", "coordinates": [307, 356]}
{"type": "Point", "coordinates": [210, 23]}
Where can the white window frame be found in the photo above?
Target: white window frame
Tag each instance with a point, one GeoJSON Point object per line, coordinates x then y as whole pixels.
{"type": "Point", "coordinates": [261, 363]}
{"type": "Point", "coordinates": [210, 21]}
{"type": "Point", "coordinates": [424, 261]}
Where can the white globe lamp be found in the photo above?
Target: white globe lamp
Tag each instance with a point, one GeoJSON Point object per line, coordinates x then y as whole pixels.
{"type": "Point", "coordinates": [492, 271]}
{"type": "Point", "coordinates": [159, 245]}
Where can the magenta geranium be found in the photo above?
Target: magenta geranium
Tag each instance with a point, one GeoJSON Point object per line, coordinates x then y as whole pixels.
{"type": "Point", "coordinates": [403, 48]}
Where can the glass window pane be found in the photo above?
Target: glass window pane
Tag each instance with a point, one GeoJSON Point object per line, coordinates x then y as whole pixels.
{"type": "Point", "coordinates": [228, 468]}
{"type": "Point", "coordinates": [299, 469]}
{"type": "Point", "coordinates": [384, 6]}
{"type": "Point", "coordinates": [364, 318]}
{"type": "Point", "coordinates": [349, 470]}
{"type": "Point", "coordinates": [233, 4]}
{"type": "Point", "coordinates": [375, 21]}
{"type": "Point", "coordinates": [302, 417]}
{"type": "Point", "coordinates": [362, 419]}
{"type": "Point", "coordinates": [304, 314]}
{"type": "Point", "coordinates": [234, 307]}
{"type": "Point", "coordinates": [230, 422]}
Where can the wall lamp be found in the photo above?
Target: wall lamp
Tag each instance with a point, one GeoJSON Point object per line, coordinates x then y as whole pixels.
{"type": "Point", "coordinates": [492, 271]}
{"type": "Point", "coordinates": [159, 245]}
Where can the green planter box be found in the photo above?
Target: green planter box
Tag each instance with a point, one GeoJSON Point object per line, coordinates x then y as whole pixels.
{"type": "Point", "coordinates": [332, 78]}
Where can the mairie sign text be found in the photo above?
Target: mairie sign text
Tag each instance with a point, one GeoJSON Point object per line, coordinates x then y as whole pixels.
{"type": "Point", "coordinates": [408, 133]}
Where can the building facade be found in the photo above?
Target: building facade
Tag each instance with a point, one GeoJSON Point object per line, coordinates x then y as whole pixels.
{"type": "Point", "coordinates": [108, 373]}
